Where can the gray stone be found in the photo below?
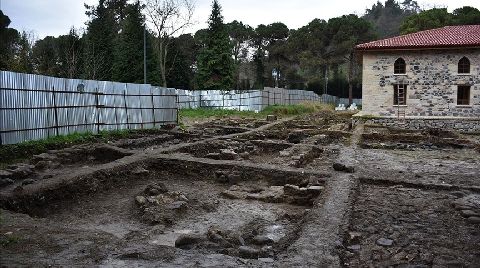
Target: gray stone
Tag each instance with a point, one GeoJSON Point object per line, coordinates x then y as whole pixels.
{"type": "Point", "coordinates": [248, 252]}
{"type": "Point", "coordinates": [5, 181]}
{"type": "Point", "coordinates": [186, 241]}
{"type": "Point", "coordinates": [293, 190]}
{"type": "Point", "coordinates": [354, 247]}
{"type": "Point", "coordinates": [271, 118]}
{"type": "Point", "coordinates": [343, 168]}
{"type": "Point", "coordinates": [28, 181]}
{"type": "Point", "coordinates": [315, 189]}
{"type": "Point", "coordinates": [5, 174]}
{"type": "Point", "coordinates": [227, 154]}
{"type": "Point", "coordinates": [266, 260]}
{"type": "Point", "coordinates": [474, 220]}
{"type": "Point", "coordinates": [469, 213]}
{"type": "Point", "coordinates": [140, 171]}
{"type": "Point", "coordinates": [177, 205]}
{"type": "Point", "coordinates": [215, 156]}
{"type": "Point", "coordinates": [385, 242]}
{"type": "Point", "coordinates": [140, 200]}
{"type": "Point", "coordinates": [156, 189]}
{"type": "Point", "coordinates": [262, 240]}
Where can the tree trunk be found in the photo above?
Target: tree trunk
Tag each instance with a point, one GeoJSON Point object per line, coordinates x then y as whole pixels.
{"type": "Point", "coordinates": [350, 78]}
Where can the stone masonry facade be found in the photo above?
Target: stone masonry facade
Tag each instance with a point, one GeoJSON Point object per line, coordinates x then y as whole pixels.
{"type": "Point", "coordinates": [432, 81]}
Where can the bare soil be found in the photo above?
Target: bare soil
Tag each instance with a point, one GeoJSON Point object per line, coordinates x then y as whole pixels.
{"type": "Point", "coordinates": [238, 192]}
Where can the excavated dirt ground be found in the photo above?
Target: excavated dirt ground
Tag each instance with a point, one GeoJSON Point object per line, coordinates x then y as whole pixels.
{"type": "Point", "coordinates": [310, 191]}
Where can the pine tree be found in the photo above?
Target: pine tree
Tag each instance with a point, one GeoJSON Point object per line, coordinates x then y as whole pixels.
{"type": "Point", "coordinates": [99, 42]}
{"type": "Point", "coordinates": [215, 62]}
{"type": "Point", "coordinates": [128, 63]}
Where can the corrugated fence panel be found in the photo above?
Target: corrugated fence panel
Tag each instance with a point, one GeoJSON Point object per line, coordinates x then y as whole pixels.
{"type": "Point", "coordinates": [37, 107]}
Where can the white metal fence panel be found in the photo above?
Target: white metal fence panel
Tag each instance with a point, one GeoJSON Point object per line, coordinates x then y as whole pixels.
{"type": "Point", "coordinates": [37, 107]}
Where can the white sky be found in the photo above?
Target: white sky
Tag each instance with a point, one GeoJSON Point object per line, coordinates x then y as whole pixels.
{"type": "Point", "coordinates": [56, 17]}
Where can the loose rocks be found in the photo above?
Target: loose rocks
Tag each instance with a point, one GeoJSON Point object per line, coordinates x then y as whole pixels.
{"type": "Point", "coordinates": [384, 242]}
{"type": "Point", "coordinates": [343, 168]}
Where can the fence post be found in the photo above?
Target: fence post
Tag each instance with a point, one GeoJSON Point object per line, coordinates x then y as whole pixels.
{"type": "Point", "coordinates": [126, 108]}
{"type": "Point", "coordinates": [153, 108]}
{"type": "Point", "coordinates": [55, 112]}
{"type": "Point", "coordinates": [178, 108]}
{"type": "Point", "coordinates": [97, 106]}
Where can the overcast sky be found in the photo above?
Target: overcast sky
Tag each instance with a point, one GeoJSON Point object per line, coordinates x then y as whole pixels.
{"type": "Point", "coordinates": [56, 17]}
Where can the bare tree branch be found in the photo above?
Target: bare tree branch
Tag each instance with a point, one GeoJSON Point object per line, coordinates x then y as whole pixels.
{"type": "Point", "coordinates": [168, 18]}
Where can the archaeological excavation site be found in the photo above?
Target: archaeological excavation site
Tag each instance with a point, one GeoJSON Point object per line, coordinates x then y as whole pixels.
{"type": "Point", "coordinates": [315, 190]}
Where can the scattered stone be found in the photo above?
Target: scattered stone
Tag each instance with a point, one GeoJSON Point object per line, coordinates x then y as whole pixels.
{"type": "Point", "coordinates": [271, 118]}
{"type": "Point", "coordinates": [5, 174]}
{"type": "Point", "coordinates": [140, 200]}
{"type": "Point", "coordinates": [315, 189]}
{"type": "Point", "coordinates": [354, 247]}
{"type": "Point", "coordinates": [214, 156]}
{"type": "Point", "coordinates": [248, 252]}
{"type": "Point", "coordinates": [140, 171]}
{"type": "Point", "coordinates": [469, 213]}
{"type": "Point", "coordinates": [384, 242]}
{"type": "Point", "coordinates": [156, 189]}
{"type": "Point", "coordinates": [289, 189]}
{"type": "Point", "coordinates": [5, 182]}
{"type": "Point", "coordinates": [244, 155]}
{"type": "Point", "coordinates": [241, 241]}
{"type": "Point", "coordinates": [343, 168]}
{"type": "Point", "coordinates": [262, 240]}
{"type": "Point", "coordinates": [474, 220]}
{"type": "Point", "coordinates": [28, 181]}
{"type": "Point", "coordinates": [227, 154]}
{"type": "Point", "coordinates": [21, 171]}
{"type": "Point", "coordinates": [177, 205]}
{"type": "Point", "coordinates": [354, 237]}
{"type": "Point", "coordinates": [266, 260]}
{"type": "Point", "coordinates": [186, 241]}
{"type": "Point", "coordinates": [234, 194]}
{"type": "Point", "coordinates": [296, 136]}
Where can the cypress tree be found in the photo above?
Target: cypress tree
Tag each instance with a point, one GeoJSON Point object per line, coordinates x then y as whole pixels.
{"type": "Point", "coordinates": [215, 62]}
{"type": "Point", "coordinates": [128, 64]}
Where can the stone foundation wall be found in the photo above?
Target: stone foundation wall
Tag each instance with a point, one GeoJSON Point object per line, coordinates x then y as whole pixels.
{"type": "Point", "coordinates": [432, 81]}
{"type": "Point", "coordinates": [469, 125]}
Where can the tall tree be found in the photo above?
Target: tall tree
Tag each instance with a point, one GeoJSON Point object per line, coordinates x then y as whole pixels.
{"type": "Point", "coordinates": [22, 61]}
{"type": "Point", "coordinates": [215, 61]}
{"type": "Point", "coordinates": [386, 18]}
{"type": "Point", "coordinates": [466, 16]}
{"type": "Point", "coordinates": [102, 30]}
{"type": "Point", "coordinates": [182, 58]}
{"type": "Point", "coordinates": [45, 56]}
{"type": "Point", "coordinates": [70, 54]}
{"type": "Point", "coordinates": [8, 40]}
{"type": "Point", "coordinates": [128, 64]}
{"type": "Point", "coordinates": [429, 19]}
{"type": "Point", "coordinates": [240, 34]}
{"type": "Point", "coordinates": [169, 18]}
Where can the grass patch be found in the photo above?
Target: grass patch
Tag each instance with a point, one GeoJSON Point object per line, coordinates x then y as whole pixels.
{"type": "Point", "coordinates": [14, 153]}
{"type": "Point", "coordinates": [279, 110]}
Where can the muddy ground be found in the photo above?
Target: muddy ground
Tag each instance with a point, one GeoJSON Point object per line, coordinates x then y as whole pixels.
{"type": "Point", "coordinates": [310, 191]}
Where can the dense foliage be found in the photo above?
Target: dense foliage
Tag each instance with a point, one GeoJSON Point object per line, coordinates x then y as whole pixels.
{"type": "Point", "coordinates": [215, 62]}
{"type": "Point", "coordinates": [318, 56]}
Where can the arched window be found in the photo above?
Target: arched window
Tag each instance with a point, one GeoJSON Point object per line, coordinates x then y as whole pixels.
{"type": "Point", "coordinates": [400, 67]}
{"type": "Point", "coordinates": [464, 66]}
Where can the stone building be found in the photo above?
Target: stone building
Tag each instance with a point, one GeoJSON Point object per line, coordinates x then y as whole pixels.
{"type": "Point", "coordinates": [430, 78]}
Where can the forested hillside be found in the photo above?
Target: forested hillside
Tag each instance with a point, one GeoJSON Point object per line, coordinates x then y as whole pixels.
{"type": "Point", "coordinates": [318, 56]}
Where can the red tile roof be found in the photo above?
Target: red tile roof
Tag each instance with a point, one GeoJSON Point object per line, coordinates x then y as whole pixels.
{"type": "Point", "coordinates": [446, 37]}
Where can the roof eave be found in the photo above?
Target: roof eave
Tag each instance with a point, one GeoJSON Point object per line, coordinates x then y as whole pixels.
{"type": "Point", "coordinates": [360, 49]}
